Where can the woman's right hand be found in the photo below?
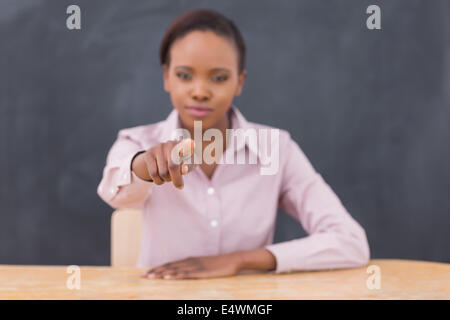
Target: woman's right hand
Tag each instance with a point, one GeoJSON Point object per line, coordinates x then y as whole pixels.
{"type": "Point", "coordinates": [157, 163]}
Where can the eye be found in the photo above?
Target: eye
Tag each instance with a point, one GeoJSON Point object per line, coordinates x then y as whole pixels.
{"type": "Point", "coordinates": [220, 78]}
{"type": "Point", "coordinates": [183, 75]}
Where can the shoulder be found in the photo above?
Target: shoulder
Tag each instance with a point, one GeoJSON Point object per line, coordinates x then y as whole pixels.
{"type": "Point", "coordinates": [288, 151]}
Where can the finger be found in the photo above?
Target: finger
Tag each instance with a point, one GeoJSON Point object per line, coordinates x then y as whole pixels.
{"type": "Point", "coordinates": [144, 274]}
{"type": "Point", "coordinates": [169, 274]}
{"type": "Point", "coordinates": [183, 274]}
{"type": "Point", "coordinates": [191, 274]}
{"type": "Point", "coordinates": [184, 168]}
{"type": "Point", "coordinates": [175, 273]}
{"type": "Point", "coordinates": [175, 174]}
{"type": "Point", "coordinates": [187, 148]}
{"type": "Point", "coordinates": [153, 273]}
{"type": "Point", "coordinates": [162, 268]}
{"type": "Point", "coordinates": [171, 269]}
{"type": "Point", "coordinates": [189, 167]}
{"type": "Point", "coordinates": [161, 274]}
{"type": "Point", "coordinates": [163, 170]}
{"type": "Point", "coordinates": [185, 264]}
{"type": "Point", "coordinates": [182, 151]}
{"type": "Point", "coordinates": [172, 266]}
{"type": "Point", "coordinates": [149, 271]}
{"type": "Point", "coordinates": [152, 169]}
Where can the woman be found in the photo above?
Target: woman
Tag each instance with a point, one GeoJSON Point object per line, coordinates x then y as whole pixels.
{"type": "Point", "coordinates": [216, 219]}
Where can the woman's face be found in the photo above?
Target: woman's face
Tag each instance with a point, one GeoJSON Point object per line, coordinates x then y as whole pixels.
{"type": "Point", "coordinates": [203, 72]}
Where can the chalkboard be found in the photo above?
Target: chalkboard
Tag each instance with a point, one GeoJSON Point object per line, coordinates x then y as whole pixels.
{"type": "Point", "coordinates": [370, 109]}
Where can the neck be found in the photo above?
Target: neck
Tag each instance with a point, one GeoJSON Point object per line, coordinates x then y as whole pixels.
{"type": "Point", "coordinates": [222, 125]}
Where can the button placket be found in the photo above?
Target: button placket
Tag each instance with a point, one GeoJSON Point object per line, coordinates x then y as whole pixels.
{"type": "Point", "coordinates": [213, 216]}
{"type": "Point", "coordinates": [214, 223]}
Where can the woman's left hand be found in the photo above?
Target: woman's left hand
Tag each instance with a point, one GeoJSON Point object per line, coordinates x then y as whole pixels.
{"type": "Point", "coordinates": [197, 268]}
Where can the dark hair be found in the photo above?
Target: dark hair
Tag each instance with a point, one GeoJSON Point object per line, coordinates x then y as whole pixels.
{"type": "Point", "coordinates": [202, 19]}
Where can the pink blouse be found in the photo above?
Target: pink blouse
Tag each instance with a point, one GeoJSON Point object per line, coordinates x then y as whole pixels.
{"type": "Point", "coordinates": [236, 209]}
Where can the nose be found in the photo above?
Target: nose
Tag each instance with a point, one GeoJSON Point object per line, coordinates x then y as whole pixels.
{"type": "Point", "coordinates": [200, 92]}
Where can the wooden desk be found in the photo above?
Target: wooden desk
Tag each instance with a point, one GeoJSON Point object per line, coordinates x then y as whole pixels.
{"type": "Point", "coordinates": [400, 279]}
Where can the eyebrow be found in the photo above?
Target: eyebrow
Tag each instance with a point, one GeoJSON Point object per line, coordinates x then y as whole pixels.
{"type": "Point", "coordinates": [212, 70]}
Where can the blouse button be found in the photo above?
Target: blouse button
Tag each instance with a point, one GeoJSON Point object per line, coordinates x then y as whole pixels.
{"type": "Point", "coordinates": [210, 190]}
{"type": "Point", "coordinates": [214, 223]}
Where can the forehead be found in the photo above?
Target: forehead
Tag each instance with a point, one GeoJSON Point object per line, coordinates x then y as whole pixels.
{"type": "Point", "coordinates": [204, 49]}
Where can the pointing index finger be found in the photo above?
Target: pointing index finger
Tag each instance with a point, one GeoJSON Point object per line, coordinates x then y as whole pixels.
{"type": "Point", "coordinates": [187, 149]}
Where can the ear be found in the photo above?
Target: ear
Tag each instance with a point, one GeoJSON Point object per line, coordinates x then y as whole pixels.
{"type": "Point", "coordinates": [241, 80]}
{"type": "Point", "coordinates": [165, 70]}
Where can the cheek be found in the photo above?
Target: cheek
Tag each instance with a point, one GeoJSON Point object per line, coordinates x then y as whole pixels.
{"type": "Point", "coordinates": [178, 93]}
{"type": "Point", "coordinates": [226, 91]}
{"type": "Point", "coordinates": [225, 97]}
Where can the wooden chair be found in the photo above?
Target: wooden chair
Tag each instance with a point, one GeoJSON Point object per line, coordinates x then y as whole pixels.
{"type": "Point", "coordinates": [125, 237]}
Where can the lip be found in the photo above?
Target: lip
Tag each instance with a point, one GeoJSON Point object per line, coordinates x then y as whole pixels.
{"type": "Point", "coordinates": [199, 111]}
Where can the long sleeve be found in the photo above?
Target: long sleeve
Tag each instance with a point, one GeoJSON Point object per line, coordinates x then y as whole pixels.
{"type": "Point", "coordinates": [335, 239]}
{"type": "Point", "coordinates": [120, 187]}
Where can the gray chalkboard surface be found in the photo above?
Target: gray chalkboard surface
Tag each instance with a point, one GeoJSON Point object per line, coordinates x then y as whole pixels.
{"type": "Point", "coordinates": [370, 108]}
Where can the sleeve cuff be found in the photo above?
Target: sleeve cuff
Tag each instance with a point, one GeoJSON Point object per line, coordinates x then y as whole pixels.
{"type": "Point", "coordinates": [275, 250]}
{"type": "Point", "coordinates": [284, 252]}
{"type": "Point", "coordinates": [126, 175]}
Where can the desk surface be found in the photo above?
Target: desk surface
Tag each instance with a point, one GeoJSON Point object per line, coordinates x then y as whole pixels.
{"type": "Point", "coordinates": [400, 279]}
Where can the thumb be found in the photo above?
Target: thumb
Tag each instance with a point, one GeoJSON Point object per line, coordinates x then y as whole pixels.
{"type": "Point", "coordinates": [186, 168]}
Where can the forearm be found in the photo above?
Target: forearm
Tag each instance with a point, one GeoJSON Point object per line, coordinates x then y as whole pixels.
{"type": "Point", "coordinates": [120, 187]}
{"type": "Point", "coordinates": [257, 259]}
